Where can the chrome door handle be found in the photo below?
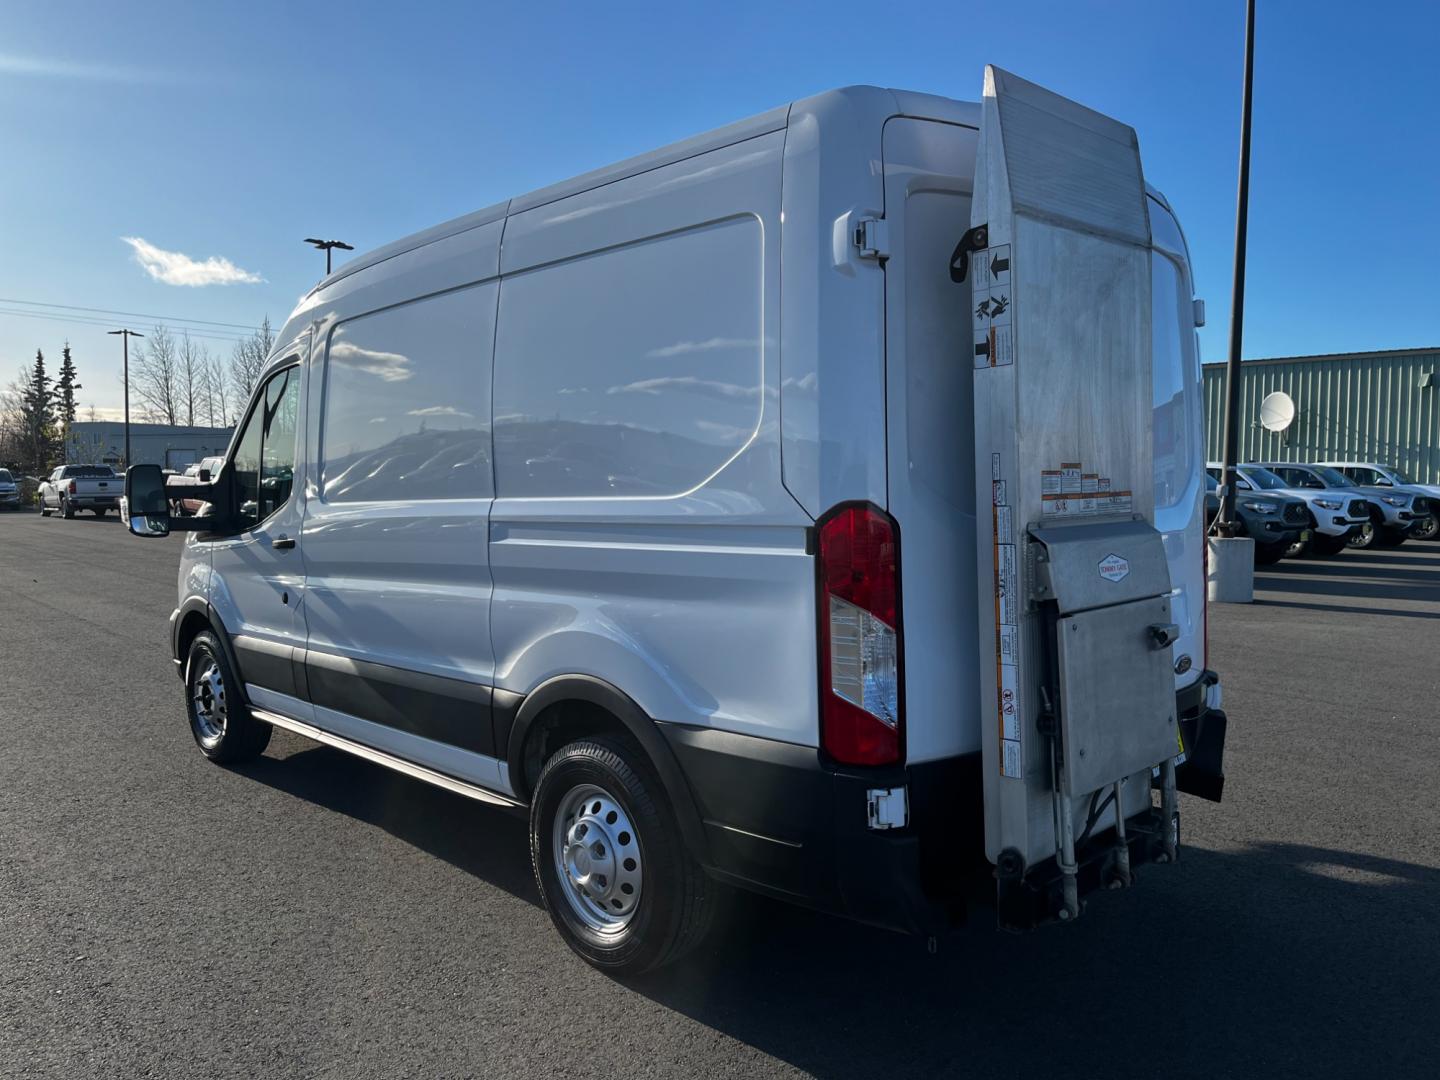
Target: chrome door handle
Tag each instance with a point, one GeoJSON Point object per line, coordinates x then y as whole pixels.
{"type": "Point", "coordinates": [282, 543]}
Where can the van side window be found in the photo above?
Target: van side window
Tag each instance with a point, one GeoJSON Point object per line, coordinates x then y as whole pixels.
{"type": "Point", "coordinates": [636, 371]}
{"type": "Point", "coordinates": [277, 457]}
{"type": "Point", "coordinates": [264, 460]}
{"type": "Point", "coordinates": [407, 401]}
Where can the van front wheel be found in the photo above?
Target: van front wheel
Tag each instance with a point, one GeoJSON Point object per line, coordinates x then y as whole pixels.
{"type": "Point", "coordinates": [219, 718]}
{"type": "Point", "coordinates": [611, 862]}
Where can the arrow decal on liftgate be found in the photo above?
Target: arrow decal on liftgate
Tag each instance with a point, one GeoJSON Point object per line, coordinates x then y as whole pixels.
{"type": "Point", "coordinates": [998, 266]}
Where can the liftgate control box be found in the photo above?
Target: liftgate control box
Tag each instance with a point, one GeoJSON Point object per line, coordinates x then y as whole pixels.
{"type": "Point", "coordinates": [1077, 688]}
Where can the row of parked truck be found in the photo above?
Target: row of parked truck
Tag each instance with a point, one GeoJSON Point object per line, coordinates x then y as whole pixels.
{"type": "Point", "coordinates": [1289, 508]}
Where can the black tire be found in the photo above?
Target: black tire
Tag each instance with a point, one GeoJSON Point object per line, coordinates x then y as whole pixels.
{"type": "Point", "coordinates": [1327, 545]}
{"type": "Point", "coordinates": [238, 736]}
{"type": "Point", "coordinates": [45, 511]}
{"type": "Point", "coordinates": [1393, 537]}
{"type": "Point", "coordinates": [100, 511]}
{"type": "Point", "coordinates": [676, 898]}
{"type": "Point", "coordinates": [1295, 550]}
{"type": "Point", "coordinates": [66, 510]}
{"type": "Point", "coordinates": [1265, 554]}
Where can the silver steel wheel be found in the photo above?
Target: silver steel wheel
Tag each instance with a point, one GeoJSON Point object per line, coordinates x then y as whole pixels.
{"type": "Point", "coordinates": [1427, 529]}
{"type": "Point", "coordinates": [1362, 537]}
{"type": "Point", "coordinates": [207, 693]}
{"type": "Point", "coordinates": [597, 858]}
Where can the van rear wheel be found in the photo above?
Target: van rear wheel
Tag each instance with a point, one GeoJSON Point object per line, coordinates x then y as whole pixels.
{"type": "Point", "coordinates": [219, 717]}
{"type": "Point", "coordinates": [610, 859]}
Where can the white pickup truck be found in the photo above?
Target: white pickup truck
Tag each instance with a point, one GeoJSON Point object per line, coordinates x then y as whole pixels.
{"type": "Point", "coordinates": [69, 488]}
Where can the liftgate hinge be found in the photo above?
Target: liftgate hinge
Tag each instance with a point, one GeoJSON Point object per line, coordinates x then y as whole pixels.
{"type": "Point", "coordinates": [872, 237]}
{"type": "Point", "coordinates": [887, 808]}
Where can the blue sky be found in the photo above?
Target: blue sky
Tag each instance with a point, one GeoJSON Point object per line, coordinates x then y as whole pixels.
{"type": "Point", "coordinates": [229, 132]}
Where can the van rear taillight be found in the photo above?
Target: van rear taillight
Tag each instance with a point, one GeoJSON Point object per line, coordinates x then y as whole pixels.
{"type": "Point", "coordinates": [861, 687]}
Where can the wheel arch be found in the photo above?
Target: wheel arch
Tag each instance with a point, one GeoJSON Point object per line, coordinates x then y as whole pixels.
{"type": "Point", "coordinates": [577, 705]}
{"type": "Point", "coordinates": [195, 616]}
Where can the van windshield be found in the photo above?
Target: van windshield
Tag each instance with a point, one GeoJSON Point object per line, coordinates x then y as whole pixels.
{"type": "Point", "coordinates": [5, 477]}
{"type": "Point", "coordinates": [1401, 477]}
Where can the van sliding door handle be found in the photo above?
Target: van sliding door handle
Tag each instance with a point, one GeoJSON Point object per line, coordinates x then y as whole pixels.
{"type": "Point", "coordinates": [282, 543]}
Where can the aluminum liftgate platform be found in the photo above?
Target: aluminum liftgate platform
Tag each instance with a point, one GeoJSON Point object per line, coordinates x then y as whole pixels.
{"type": "Point", "coordinates": [1077, 688]}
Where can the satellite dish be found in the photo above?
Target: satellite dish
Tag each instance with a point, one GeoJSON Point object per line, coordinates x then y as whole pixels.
{"type": "Point", "coordinates": [1277, 411]}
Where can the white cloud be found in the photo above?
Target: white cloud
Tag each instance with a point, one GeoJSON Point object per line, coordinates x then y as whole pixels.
{"type": "Point", "coordinates": [51, 68]}
{"type": "Point", "coordinates": [682, 348]}
{"type": "Point", "coordinates": [177, 268]}
{"type": "Point", "coordinates": [686, 382]}
{"type": "Point", "coordinates": [439, 410]}
{"type": "Point", "coordinates": [389, 366]}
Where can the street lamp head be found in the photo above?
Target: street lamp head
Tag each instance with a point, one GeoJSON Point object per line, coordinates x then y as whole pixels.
{"type": "Point", "coordinates": [130, 333]}
{"type": "Point", "coordinates": [325, 245]}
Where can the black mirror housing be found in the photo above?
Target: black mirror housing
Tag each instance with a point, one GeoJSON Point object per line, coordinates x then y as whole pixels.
{"type": "Point", "coordinates": [147, 507]}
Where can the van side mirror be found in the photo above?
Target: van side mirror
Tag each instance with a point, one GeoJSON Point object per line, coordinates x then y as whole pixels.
{"type": "Point", "coordinates": [203, 476]}
{"type": "Point", "coordinates": [147, 507]}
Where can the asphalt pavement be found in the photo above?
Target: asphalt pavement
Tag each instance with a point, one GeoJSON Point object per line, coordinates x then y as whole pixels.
{"type": "Point", "coordinates": [310, 915]}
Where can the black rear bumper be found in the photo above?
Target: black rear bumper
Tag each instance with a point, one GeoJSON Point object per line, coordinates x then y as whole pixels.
{"type": "Point", "coordinates": [780, 820]}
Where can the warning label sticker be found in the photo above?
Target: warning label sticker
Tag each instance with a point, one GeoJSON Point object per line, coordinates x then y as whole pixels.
{"type": "Point", "coordinates": [1010, 758]}
{"type": "Point", "coordinates": [1004, 525]}
{"type": "Point", "coordinates": [1007, 582]}
{"type": "Point", "coordinates": [1009, 704]}
{"type": "Point", "coordinates": [1007, 629]}
{"type": "Point", "coordinates": [1070, 491]}
{"type": "Point", "coordinates": [992, 300]}
{"type": "Point", "coordinates": [1009, 644]}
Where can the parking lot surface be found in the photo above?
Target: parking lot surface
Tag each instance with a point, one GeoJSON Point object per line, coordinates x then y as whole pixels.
{"type": "Point", "coordinates": [311, 915]}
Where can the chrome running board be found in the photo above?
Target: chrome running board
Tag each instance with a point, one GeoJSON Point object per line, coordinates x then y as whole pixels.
{"type": "Point", "coordinates": [380, 757]}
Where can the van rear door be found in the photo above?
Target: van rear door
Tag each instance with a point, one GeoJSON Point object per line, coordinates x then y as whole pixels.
{"type": "Point", "coordinates": [1076, 660]}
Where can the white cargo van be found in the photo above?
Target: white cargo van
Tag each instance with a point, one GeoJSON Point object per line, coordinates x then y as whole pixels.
{"type": "Point", "coordinates": [647, 504]}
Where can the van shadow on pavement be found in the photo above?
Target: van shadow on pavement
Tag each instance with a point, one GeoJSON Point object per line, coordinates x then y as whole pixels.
{"type": "Point", "coordinates": [1275, 959]}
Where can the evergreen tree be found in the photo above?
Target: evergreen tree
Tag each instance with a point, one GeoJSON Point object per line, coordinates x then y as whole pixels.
{"type": "Point", "coordinates": [37, 415]}
{"type": "Point", "coordinates": [65, 387]}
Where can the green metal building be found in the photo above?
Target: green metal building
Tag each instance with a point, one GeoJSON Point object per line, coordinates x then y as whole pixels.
{"type": "Point", "coordinates": [1377, 406]}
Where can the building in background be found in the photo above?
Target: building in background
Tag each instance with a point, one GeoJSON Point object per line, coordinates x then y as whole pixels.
{"type": "Point", "coordinates": [102, 442]}
{"type": "Point", "coordinates": [1376, 406]}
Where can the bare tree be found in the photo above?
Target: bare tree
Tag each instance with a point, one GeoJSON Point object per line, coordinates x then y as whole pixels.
{"type": "Point", "coordinates": [191, 366]}
{"type": "Point", "coordinates": [217, 391]}
{"type": "Point", "coordinates": [247, 361]}
{"type": "Point", "coordinates": [155, 377]}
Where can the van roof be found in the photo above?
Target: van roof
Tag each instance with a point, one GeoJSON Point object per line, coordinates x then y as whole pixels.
{"type": "Point", "coordinates": [902, 102]}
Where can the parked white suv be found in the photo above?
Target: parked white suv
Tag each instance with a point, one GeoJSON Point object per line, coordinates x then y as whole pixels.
{"type": "Point", "coordinates": [1372, 474]}
{"type": "Point", "coordinates": [607, 525]}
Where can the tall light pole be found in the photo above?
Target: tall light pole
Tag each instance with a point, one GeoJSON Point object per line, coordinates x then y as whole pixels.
{"type": "Point", "coordinates": [1225, 522]}
{"type": "Point", "coordinates": [125, 336]}
{"type": "Point", "coordinates": [327, 246]}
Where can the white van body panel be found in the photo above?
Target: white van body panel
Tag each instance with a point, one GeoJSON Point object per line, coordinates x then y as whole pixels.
{"type": "Point", "coordinates": [641, 533]}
